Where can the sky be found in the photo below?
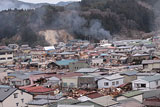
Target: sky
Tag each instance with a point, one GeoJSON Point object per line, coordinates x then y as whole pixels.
{"type": "Point", "coordinates": [46, 1]}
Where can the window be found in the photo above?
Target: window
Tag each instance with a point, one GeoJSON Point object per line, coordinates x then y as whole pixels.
{"type": "Point", "coordinates": [2, 58]}
{"type": "Point", "coordinates": [15, 95]}
{"type": "Point", "coordinates": [22, 100]}
{"type": "Point", "coordinates": [106, 84]}
{"type": "Point", "coordinates": [21, 92]}
{"type": "Point", "coordinates": [143, 85]}
{"type": "Point", "coordinates": [17, 104]}
{"type": "Point", "coordinates": [117, 82]}
{"type": "Point", "coordinates": [156, 82]}
{"type": "Point", "coordinates": [113, 83]}
{"type": "Point", "coordinates": [2, 53]}
{"type": "Point", "coordinates": [9, 58]}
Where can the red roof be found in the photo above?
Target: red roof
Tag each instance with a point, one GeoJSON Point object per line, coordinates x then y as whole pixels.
{"type": "Point", "coordinates": [94, 95]}
{"type": "Point", "coordinates": [38, 89]}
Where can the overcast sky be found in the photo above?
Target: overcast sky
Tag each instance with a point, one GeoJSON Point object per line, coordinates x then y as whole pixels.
{"type": "Point", "coordinates": [46, 1]}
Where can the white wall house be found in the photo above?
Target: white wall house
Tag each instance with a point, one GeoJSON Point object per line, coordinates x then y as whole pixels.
{"type": "Point", "coordinates": [97, 62]}
{"type": "Point", "coordinates": [11, 97]}
{"type": "Point", "coordinates": [6, 56]}
{"type": "Point", "coordinates": [110, 81]}
{"type": "Point", "coordinates": [150, 82]}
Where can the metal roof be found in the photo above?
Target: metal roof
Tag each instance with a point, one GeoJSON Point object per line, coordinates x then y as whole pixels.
{"type": "Point", "coordinates": [87, 70]}
{"type": "Point", "coordinates": [65, 62]}
{"type": "Point", "coordinates": [152, 78]}
{"type": "Point", "coordinates": [6, 92]}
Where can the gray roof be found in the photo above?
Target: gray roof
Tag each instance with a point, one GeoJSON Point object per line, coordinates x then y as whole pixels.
{"type": "Point", "coordinates": [152, 93]}
{"type": "Point", "coordinates": [87, 70]}
{"type": "Point", "coordinates": [152, 78]}
{"type": "Point", "coordinates": [6, 92]}
{"type": "Point", "coordinates": [48, 97]}
{"type": "Point", "coordinates": [40, 102]}
{"type": "Point", "coordinates": [68, 101]}
{"type": "Point", "coordinates": [105, 101]}
{"type": "Point", "coordinates": [129, 73]}
{"type": "Point", "coordinates": [89, 103]}
{"type": "Point", "coordinates": [150, 61]}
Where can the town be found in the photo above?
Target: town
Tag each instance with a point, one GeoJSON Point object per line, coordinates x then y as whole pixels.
{"type": "Point", "coordinates": [80, 73]}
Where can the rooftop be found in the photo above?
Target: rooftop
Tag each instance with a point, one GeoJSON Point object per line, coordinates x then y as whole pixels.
{"type": "Point", "coordinates": [132, 93]}
{"type": "Point", "coordinates": [87, 70]}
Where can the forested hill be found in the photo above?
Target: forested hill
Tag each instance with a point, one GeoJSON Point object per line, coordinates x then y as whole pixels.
{"type": "Point", "coordinates": [94, 19]}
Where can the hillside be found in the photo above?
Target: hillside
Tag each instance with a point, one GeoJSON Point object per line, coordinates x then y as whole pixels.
{"type": "Point", "coordinates": [88, 19]}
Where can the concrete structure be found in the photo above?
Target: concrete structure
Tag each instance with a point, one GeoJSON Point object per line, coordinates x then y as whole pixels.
{"type": "Point", "coordinates": [11, 97]}
{"type": "Point", "coordinates": [150, 82]}
{"type": "Point", "coordinates": [151, 65]}
{"type": "Point", "coordinates": [129, 76]}
{"type": "Point", "coordinates": [110, 81]}
{"type": "Point", "coordinates": [71, 82]}
{"type": "Point", "coordinates": [97, 62]}
{"type": "Point", "coordinates": [78, 65]}
{"type": "Point", "coordinates": [6, 56]}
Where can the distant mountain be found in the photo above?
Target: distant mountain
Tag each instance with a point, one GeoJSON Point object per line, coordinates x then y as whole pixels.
{"type": "Point", "coordinates": [63, 3]}
{"type": "Point", "coordinates": [89, 19]}
{"type": "Point", "coordinates": [12, 4]}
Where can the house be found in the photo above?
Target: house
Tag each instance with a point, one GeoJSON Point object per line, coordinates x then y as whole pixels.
{"type": "Point", "coordinates": [87, 82]}
{"type": "Point", "coordinates": [65, 63]}
{"type": "Point", "coordinates": [3, 75]}
{"type": "Point", "coordinates": [12, 97]}
{"type": "Point", "coordinates": [150, 82]}
{"type": "Point", "coordinates": [137, 95]}
{"type": "Point", "coordinates": [38, 90]}
{"type": "Point", "coordinates": [129, 76]}
{"type": "Point", "coordinates": [105, 101]}
{"type": "Point", "coordinates": [97, 62]}
{"type": "Point", "coordinates": [39, 103]}
{"type": "Point", "coordinates": [38, 55]}
{"type": "Point", "coordinates": [138, 58]}
{"type": "Point", "coordinates": [110, 81]}
{"type": "Point", "coordinates": [6, 56]}
{"type": "Point", "coordinates": [18, 79]}
{"type": "Point", "coordinates": [151, 65]}
{"type": "Point", "coordinates": [43, 100]}
{"type": "Point", "coordinates": [151, 98]}
{"type": "Point", "coordinates": [129, 102]}
{"type": "Point", "coordinates": [70, 82]}
{"type": "Point", "coordinates": [78, 65]}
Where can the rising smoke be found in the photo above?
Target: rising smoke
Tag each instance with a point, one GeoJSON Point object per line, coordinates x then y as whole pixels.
{"type": "Point", "coordinates": [79, 25]}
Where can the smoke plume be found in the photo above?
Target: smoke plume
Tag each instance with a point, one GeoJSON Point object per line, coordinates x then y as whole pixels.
{"type": "Point", "coordinates": [79, 25]}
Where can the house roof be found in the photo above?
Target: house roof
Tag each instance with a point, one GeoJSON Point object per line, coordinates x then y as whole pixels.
{"type": "Point", "coordinates": [6, 92]}
{"type": "Point", "coordinates": [129, 73]}
{"type": "Point", "coordinates": [40, 102]}
{"type": "Point", "coordinates": [94, 95]}
{"type": "Point", "coordinates": [47, 48]}
{"type": "Point", "coordinates": [132, 93]}
{"type": "Point", "coordinates": [65, 62]}
{"type": "Point", "coordinates": [152, 93]}
{"type": "Point", "coordinates": [57, 97]}
{"type": "Point", "coordinates": [113, 77]}
{"type": "Point", "coordinates": [38, 89]}
{"type": "Point", "coordinates": [105, 101]}
{"type": "Point", "coordinates": [89, 103]}
{"type": "Point", "coordinates": [68, 101]}
{"type": "Point", "coordinates": [151, 78]}
{"type": "Point", "coordinates": [150, 61]}
{"type": "Point", "coordinates": [87, 70]}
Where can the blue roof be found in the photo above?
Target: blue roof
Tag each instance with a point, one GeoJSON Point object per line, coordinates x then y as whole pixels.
{"type": "Point", "coordinates": [65, 62]}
